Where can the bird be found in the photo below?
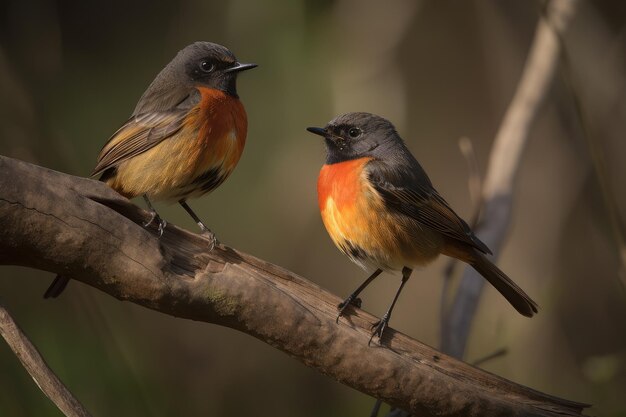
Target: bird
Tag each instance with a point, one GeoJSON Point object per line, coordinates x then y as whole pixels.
{"type": "Point", "coordinates": [183, 139]}
{"type": "Point", "coordinates": [382, 211]}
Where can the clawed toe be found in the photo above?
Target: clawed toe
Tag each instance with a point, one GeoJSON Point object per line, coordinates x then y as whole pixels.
{"type": "Point", "coordinates": [213, 242]}
{"type": "Point", "coordinates": [351, 300]}
{"type": "Point", "coordinates": [207, 233]}
{"type": "Point", "coordinates": [153, 217]}
{"type": "Point", "coordinates": [378, 328]}
{"type": "Point", "coordinates": [162, 224]}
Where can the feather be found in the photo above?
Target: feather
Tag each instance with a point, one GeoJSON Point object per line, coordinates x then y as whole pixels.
{"type": "Point", "coordinates": [413, 195]}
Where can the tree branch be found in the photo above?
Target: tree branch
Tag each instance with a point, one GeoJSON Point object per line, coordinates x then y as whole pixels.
{"type": "Point", "coordinates": [504, 163]}
{"type": "Point", "coordinates": [83, 229]}
{"type": "Point", "coordinates": [45, 379]}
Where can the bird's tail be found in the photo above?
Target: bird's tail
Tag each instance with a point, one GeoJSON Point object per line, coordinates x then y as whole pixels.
{"type": "Point", "coordinates": [510, 290]}
{"type": "Point", "coordinates": [56, 288]}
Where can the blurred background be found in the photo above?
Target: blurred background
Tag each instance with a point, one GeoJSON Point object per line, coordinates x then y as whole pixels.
{"type": "Point", "coordinates": [72, 71]}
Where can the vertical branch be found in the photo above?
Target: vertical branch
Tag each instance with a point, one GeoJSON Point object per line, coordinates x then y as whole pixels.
{"type": "Point", "coordinates": [504, 164]}
{"type": "Point", "coordinates": [43, 376]}
{"type": "Point", "coordinates": [475, 187]}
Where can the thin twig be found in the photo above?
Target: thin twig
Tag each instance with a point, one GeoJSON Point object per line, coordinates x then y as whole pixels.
{"type": "Point", "coordinates": [36, 366]}
{"type": "Point", "coordinates": [376, 408]}
{"type": "Point", "coordinates": [493, 355]}
{"type": "Point", "coordinates": [599, 165]}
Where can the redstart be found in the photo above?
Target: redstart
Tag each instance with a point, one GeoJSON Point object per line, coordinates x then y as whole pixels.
{"type": "Point", "coordinates": [381, 210]}
{"type": "Point", "coordinates": [184, 137]}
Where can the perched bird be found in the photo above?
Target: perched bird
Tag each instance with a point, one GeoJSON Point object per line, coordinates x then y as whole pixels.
{"type": "Point", "coordinates": [184, 137]}
{"type": "Point", "coordinates": [381, 210]}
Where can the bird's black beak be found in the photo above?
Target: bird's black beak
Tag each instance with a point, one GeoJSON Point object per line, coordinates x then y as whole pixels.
{"type": "Point", "coordinates": [238, 67]}
{"type": "Point", "coordinates": [317, 130]}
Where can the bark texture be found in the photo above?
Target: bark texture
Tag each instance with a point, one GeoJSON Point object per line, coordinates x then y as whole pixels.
{"type": "Point", "coordinates": [84, 230]}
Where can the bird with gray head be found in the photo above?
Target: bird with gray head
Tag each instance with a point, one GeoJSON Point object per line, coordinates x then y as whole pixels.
{"type": "Point", "coordinates": [183, 139]}
{"type": "Point", "coordinates": [381, 210]}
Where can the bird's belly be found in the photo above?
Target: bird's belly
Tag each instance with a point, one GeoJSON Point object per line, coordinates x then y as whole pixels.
{"type": "Point", "coordinates": [192, 162]}
{"type": "Point", "coordinates": [181, 167]}
{"type": "Point", "coordinates": [372, 237]}
{"type": "Point", "coordinates": [362, 227]}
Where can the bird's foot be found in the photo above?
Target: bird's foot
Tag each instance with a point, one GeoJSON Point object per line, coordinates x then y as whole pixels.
{"type": "Point", "coordinates": [162, 224]}
{"type": "Point", "coordinates": [351, 300]}
{"type": "Point", "coordinates": [206, 232]}
{"type": "Point", "coordinates": [378, 328]}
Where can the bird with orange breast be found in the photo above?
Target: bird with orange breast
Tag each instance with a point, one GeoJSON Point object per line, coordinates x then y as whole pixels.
{"type": "Point", "coordinates": [381, 210]}
{"type": "Point", "coordinates": [184, 137]}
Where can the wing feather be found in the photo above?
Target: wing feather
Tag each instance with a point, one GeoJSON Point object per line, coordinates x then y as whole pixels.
{"type": "Point", "coordinates": [416, 198]}
{"type": "Point", "coordinates": [139, 134]}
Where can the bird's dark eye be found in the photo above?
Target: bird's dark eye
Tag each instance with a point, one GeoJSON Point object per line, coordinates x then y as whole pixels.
{"type": "Point", "coordinates": [354, 132]}
{"type": "Point", "coordinates": [206, 66]}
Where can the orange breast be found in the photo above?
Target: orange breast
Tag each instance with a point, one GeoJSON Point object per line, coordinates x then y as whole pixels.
{"type": "Point", "coordinates": [349, 208]}
{"type": "Point", "coordinates": [217, 130]}
{"type": "Point", "coordinates": [341, 183]}
{"type": "Point", "coordinates": [195, 160]}
{"type": "Point", "coordinates": [361, 225]}
{"type": "Point", "coordinates": [222, 126]}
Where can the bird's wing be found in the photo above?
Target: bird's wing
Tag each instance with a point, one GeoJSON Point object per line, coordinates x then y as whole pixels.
{"type": "Point", "coordinates": [137, 135]}
{"type": "Point", "coordinates": [411, 194]}
{"type": "Point", "coordinates": [164, 96]}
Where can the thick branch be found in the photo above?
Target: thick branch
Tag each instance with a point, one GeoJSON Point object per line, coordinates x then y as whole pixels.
{"type": "Point", "coordinates": [84, 230]}
{"type": "Point", "coordinates": [504, 163]}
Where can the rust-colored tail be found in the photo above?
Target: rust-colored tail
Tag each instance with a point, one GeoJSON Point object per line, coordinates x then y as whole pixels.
{"type": "Point", "coordinates": [514, 294]}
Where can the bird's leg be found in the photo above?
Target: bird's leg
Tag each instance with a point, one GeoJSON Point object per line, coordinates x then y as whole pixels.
{"type": "Point", "coordinates": [379, 327]}
{"type": "Point", "coordinates": [205, 230]}
{"type": "Point", "coordinates": [155, 217]}
{"type": "Point", "coordinates": [352, 298]}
